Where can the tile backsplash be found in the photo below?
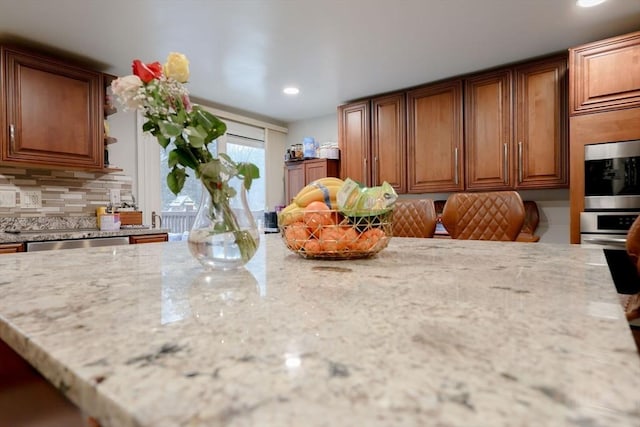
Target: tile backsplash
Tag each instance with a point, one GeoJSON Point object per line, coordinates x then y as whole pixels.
{"type": "Point", "coordinates": [63, 193]}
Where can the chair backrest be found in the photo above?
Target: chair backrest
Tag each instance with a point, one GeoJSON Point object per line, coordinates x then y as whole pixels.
{"type": "Point", "coordinates": [633, 243]}
{"type": "Point", "coordinates": [631, 303]}
{"type": "Point", "coordinates": [495, 215]}
{"type": "Point", "coordinates": [414, 218]}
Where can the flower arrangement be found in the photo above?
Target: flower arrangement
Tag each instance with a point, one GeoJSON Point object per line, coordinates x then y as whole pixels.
{"type": "Point", "coordinates": [159, 93]}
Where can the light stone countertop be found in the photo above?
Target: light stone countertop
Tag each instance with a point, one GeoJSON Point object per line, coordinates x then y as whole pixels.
{"type": "Point", "coordinates": [429, 332]}
{"type": "Point", "coordinates": [73, 234]}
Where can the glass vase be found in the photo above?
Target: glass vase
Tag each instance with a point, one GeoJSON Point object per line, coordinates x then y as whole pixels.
{"type": "Point", "coordinates": [224, 234]}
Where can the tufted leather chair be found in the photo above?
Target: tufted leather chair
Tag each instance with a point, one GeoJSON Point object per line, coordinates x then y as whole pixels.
{"type": "Point", "coordinates": [414, 218]}
{"type": "Point", "coordinates": [496, 215]}
{"type": "Point", "coordinates": [631, 303]}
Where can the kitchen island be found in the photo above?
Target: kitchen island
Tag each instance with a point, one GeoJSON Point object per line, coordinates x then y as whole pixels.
{"type": "Point", "coordinates": [428, 332]}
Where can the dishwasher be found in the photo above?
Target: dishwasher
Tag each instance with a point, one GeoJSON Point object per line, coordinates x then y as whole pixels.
{"type": "Point", "coordinates": [76, 243]}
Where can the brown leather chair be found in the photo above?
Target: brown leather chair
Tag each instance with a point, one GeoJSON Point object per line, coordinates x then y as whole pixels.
{"type": "Point", "coordinates": [414, 218]}
{"type": "Point", "coordinates": [495, 215]}
{"type": "Point", "coordinates": [631, 303]}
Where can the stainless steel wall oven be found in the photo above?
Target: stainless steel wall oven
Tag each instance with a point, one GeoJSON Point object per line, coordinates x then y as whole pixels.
{"type": "Point", "coordinates": [612, 203]}
{"type": "Point", "coordinates": [612, 175]}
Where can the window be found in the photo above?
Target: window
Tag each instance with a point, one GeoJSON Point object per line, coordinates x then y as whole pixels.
{"type": "Point", "coordinates": [243, 144]}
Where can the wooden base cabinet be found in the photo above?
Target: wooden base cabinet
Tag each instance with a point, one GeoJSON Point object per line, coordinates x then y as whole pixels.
{"type": "Point", "coordinates": [298, 174]}
{"type": "Point", "coordinates": [50, 112]}
{"type": "Point", "coordinates": [11, 248]}
{"type": "Point", "coordinates": [148, 238]}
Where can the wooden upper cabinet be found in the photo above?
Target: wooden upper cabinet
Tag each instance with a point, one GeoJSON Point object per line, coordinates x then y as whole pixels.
{"type": "Point", "coordinates": [434, 138]}
{"type": "Point", "coordinates": [354, 141]}
{"type": "Point", "coordinates": [51, 112]}
{"type": "Point", "coordinates": [605, 75]}
{"type": "Point", "coordinates": [388, 142]}
{"type": "Point", "coordinates": [488, 131]}
{"type": "Point", "coordinates": [541, 124]}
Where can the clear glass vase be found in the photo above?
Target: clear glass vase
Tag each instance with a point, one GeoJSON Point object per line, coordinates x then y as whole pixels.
{"type": "Point", "coordinates": [224, 234]}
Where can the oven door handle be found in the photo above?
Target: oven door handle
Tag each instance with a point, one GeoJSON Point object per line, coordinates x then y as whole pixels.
{"type": "Point", "coordinates": [606, 240]}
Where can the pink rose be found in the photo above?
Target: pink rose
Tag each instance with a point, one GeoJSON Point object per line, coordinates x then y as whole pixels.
{"type": "Point", "coordinates": [126, 89]}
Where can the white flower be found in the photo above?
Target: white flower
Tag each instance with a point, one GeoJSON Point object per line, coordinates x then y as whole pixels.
{"type": "Point", "coordinates": [127, 89]}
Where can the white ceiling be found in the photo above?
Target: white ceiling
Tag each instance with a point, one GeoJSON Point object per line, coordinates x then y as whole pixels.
{"type": "Point", "coordinates": [243, 52]}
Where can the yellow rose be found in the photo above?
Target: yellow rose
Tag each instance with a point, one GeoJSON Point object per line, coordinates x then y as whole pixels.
{"type": "Point", "coordinates": [177, 67]}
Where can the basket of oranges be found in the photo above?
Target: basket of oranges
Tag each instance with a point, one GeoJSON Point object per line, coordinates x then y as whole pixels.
{"type": "Point", "coordinates": [317, 231]}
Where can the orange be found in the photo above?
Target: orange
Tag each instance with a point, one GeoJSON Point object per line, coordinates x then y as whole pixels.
{"type": "Point", "coordinates": [296, 235]}
{"type": "Point", "coordinates": [318, 215]}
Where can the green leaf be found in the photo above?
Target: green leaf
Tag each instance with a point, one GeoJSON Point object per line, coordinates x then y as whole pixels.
{"type": "Point", "coordinates": [176, 179]}
{"type": "Point", "coordinates": [149, 126]}
{"type": "Point", "coordinates": [184, 157]}
{"type": "Point", "coordinates": [196, 136]}
{"type": "Point", "coordinates": [164, 142]}
{"type": "Point", "coordinates": [170, 129]}
{"type": "Point", "coordinates": [249, 172]}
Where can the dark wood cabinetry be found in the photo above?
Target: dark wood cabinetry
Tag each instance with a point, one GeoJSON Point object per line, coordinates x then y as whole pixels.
{"type": "Point", "coordinates": [148, 238]}
{"type": "Point", "coordinates": [355, 141]}
{"type": "Point", "coordinates": [508, 131]}
{"type": "Point", "coordinates": [540, 149]}
{"type": "Point", "coordinates": [488, 130]}
{"type": "Point", "coordinates": [604, 88]}
{"type": "Point", "coordinates": [605, 75]}
{"type": "Point", "coordinates": [11, 248]}
{"type": "Point", "coordinates": [434, 138]}
{"type": "Point", "coordinates": [516, 127]}
{"type": "Point", "coordinates": [389, 142]}
{"type": "Point", "coordinates": [373, 141]}
{"type": "Point", "coordinates": [298, 174]}
{"type": "Point", "coordinates": [51, 112]}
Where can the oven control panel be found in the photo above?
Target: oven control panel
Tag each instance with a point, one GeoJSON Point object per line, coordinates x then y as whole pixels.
{"type": "Point", "coordinates": [607, 222]}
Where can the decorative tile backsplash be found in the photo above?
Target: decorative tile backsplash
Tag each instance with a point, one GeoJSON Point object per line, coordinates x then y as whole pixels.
{"type": "Point", "coordinates": [62, 193]}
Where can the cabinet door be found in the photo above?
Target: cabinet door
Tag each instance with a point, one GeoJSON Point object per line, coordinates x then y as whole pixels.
{"type": "Point", "coordinates": [605, 75]}
{"type": "Point", "coordinates": [148, 238]}
{"type": "Point", "coordinates": [541, 124]}
{"type": "Point", "coordinates": [53, 112]}
{"type": "Point", "coordinates": [294, 180]}
{"type": "Point", "coordinates": [354, 141]}
{"type": "Point", "coordinates": [388, 142]}
{"type": "Point", "coordinates": [488, 131]}
{"type": "Point", "coordinates": [434, 159]}
{"type": "Point", "coordinates": [320, 168]}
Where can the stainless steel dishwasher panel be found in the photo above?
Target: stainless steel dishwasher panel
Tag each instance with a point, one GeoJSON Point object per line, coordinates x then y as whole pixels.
{"type": "Point", "coordinates": [76, 243]}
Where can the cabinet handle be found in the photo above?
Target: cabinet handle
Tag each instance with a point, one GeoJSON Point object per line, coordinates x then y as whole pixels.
{"type": "Point", "coordinates": [519, 162]}
{"type": "Point", "coordinates": [455, 165]}
{"type": "Point", "coordinates": [12, 133]}
{"type": "Point", "coordinates": [364, 172]}
{"type": "Point", "coordinates": [506, 164]}
{"type": "Point", "coordinates": [374, 176]}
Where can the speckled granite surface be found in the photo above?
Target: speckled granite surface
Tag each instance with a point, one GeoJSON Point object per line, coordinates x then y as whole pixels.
{"type": "Point", "coordinates": [430, 332]}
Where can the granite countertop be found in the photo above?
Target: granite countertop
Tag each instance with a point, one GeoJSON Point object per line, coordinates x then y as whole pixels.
{"type": "Point", "coordinates": [72, 234]}
{"type": "Point", "coordinates": [429, 332]}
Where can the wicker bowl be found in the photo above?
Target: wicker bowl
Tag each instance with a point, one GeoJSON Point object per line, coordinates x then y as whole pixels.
{"type": "Point", "coordinates": [328, 234]}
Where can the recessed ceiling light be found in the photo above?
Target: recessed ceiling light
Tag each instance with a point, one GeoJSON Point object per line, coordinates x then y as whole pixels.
{"type": "Point", "coordinates": [291, 90]}
{"type": "Point", "coordinates": [589, 3]}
